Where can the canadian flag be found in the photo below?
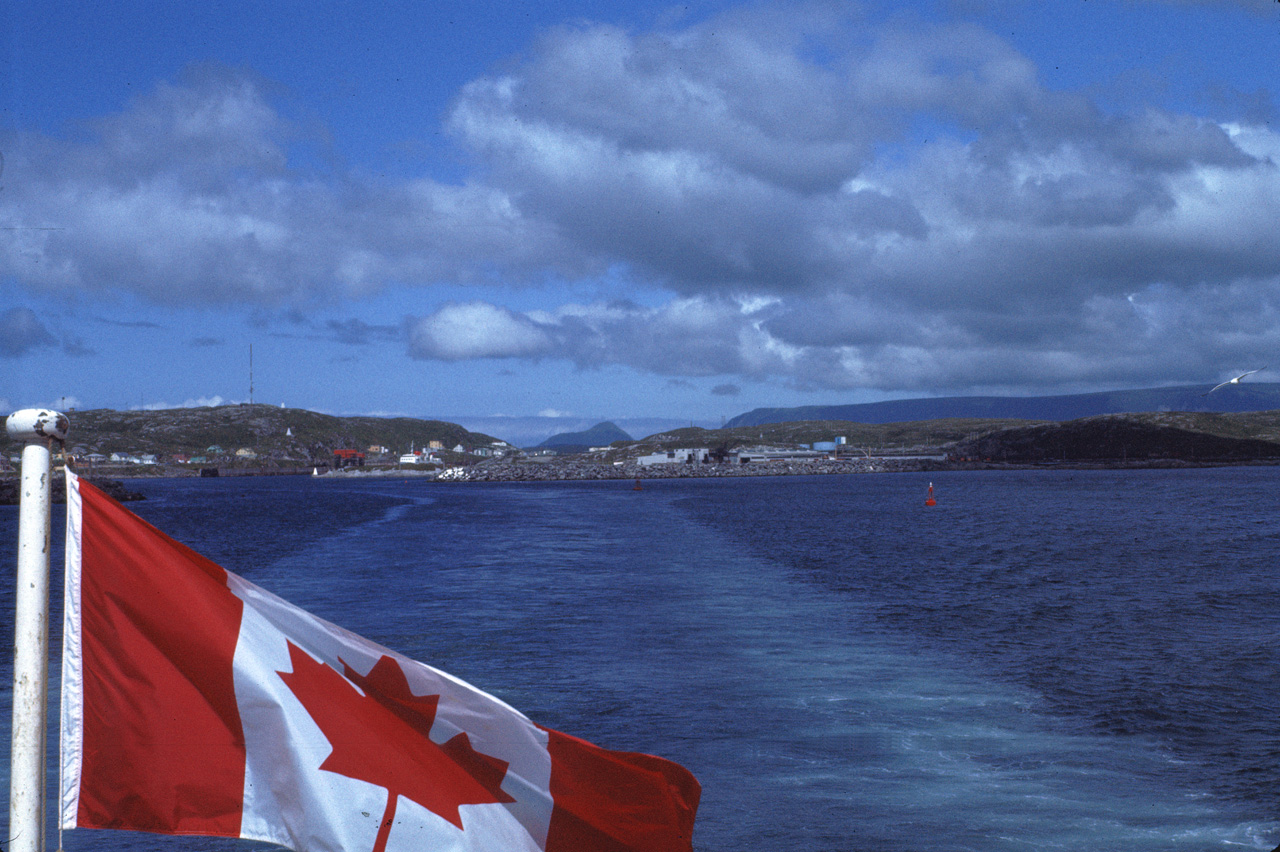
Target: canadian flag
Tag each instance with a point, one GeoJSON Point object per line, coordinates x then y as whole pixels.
{"type": "Point", "coordinates": [194, 702]}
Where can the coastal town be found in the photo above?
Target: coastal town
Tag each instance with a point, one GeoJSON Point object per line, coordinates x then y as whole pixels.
{"type": "Point", "coordinates": [496, 461]}
{"type": "Point", "coordinates": [260, 440]}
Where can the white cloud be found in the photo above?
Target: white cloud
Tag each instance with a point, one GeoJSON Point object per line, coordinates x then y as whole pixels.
{"type": "Point", "coordinates": [187, 196]}
{"type": "Point", "coordinates": [476, 330]}
{"type": "Point", "coordinates": [201, 402]}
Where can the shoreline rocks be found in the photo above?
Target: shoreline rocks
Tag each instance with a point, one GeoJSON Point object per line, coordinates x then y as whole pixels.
{"type": "Point", "coordinates": [10, 490]}
{"type": "Point", "coordinates": [586, 471]}
{"type": "Point", "coordinates": [574, 471]}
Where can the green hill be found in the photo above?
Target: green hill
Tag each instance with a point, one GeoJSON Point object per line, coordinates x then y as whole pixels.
{"type": "Point", "coordinates": [1189, 438]}
{"type": "Point", "coordinates": [278, 434]}
{"type": "Point", "coordinates": [903, 437]}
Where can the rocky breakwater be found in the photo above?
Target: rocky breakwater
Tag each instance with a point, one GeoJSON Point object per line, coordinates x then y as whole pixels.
{"type": "Point", "coordinates": [571, 469]}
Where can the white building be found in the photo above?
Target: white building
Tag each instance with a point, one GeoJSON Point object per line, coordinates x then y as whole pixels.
{"type": "Point", "coordinates": [698, 455]}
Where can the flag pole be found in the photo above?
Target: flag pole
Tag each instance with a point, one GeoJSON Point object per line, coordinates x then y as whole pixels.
{"type": "Point", "coordinates": [38, 429]}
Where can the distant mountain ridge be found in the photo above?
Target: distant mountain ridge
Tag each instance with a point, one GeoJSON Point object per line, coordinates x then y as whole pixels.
{"type": "Point", "coordinates": [599, 435]}
{"type": "Point", "coordinates": [1255, 396]}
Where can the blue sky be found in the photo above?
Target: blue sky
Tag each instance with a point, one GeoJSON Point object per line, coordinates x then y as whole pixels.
{"type": "Point", "coordinates": [528, 218]}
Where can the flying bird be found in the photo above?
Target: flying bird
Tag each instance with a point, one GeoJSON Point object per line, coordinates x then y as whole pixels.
{"type": "Point", "coordinates": [1234, 381]}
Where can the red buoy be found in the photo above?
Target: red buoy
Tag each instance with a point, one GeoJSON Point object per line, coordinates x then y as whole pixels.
{"type": "Point", "coordinates": [929, 501]}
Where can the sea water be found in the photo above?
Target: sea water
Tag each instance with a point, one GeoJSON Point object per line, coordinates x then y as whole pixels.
{"type": "Point", "coordinates": [1082, 660]}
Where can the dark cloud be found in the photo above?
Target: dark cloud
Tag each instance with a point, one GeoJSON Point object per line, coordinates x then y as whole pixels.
{"type": "Point", "coordinates": [128, 323]}
{"type": "Point", "coordinates": [354, 332]}
{"type": "Point", "coordinates": [21, 331]}
{"type": "Point", "coordinates": [76, 347]}
{"type": "Point", "coordinates": [726, 390]}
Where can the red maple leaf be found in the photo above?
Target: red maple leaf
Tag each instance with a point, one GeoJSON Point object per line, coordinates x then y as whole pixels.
{"type": "Point", "coordinates": [382, 737]}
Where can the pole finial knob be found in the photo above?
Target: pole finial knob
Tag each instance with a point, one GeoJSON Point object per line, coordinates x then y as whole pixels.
{"type": "Point", "coordinates": [37, 424]}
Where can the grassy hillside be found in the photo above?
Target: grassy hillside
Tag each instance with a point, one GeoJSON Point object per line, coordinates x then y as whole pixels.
{"type": "Point", "coordinates": [1188, 438]}
{"type": "Point", "coordinates": [278, 433]}
{"type": "Point", "coordinates": [1255, 425]}
{"type": "Point", "coordinates": [903, 437]}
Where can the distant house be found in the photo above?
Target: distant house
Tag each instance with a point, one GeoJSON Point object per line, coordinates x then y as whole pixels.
{"type": "Point", "coordinates": [246, 453]}
{"type": "Point", "coordinates": [435, 445]}
{"type": "Point", "coordinates": [347, 458]}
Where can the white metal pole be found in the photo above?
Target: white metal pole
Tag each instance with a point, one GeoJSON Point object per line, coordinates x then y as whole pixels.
{"type": "Point", "coordinates": [39, 428]}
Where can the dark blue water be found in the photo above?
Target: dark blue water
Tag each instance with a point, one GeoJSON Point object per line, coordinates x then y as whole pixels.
{"type": "Point", "coordinates": [1044, 660]}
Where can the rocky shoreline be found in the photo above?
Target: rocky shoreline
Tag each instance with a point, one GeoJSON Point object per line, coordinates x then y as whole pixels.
{"type": "Point", "coordinates": [507, 471]}
{"type": "Point", "coordinates": [10, 490]}
{"type": "Point", "coordinates": [573, 471]}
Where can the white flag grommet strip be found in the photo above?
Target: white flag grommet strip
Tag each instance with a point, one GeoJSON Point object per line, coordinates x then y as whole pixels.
{"type": "Point", "coordinates": [195, 702]}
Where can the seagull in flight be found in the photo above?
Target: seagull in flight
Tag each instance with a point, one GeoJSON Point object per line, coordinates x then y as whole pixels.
{"type": "Point", "coordinates": [1234, 381]}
